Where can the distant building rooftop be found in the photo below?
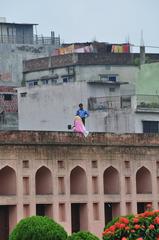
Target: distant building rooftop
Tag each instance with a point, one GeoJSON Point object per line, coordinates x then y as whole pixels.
{"type": "Point", "coordinates": [13, 23]}
{"type": "Point", "coordinates": [45, 63]}
{"type": "Point", "coordinates": [4, 21]}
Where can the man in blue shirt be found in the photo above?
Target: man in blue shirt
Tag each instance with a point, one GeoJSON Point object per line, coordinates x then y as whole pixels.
{"type": "Point", "coordinates": [82, 113]}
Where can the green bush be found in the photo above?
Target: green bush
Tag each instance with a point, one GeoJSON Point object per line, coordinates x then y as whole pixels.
{"type": "Point", "coordinates": [38, 228]}
{"type": "Point", "coordinates": [82, 236]}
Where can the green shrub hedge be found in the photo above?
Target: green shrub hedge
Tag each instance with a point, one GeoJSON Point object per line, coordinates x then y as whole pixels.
{"type": "Point", "coordinates": [38, 228]}
{"type": "Point", "coordinates": [82, 236]}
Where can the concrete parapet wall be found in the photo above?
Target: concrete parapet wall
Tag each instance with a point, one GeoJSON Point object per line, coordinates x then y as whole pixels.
{"type": "Point", "coordinates": [70, 138]}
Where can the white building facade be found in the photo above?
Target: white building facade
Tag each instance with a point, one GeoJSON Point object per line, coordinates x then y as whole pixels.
{"type": "Point", "coordinates": [55, 87]}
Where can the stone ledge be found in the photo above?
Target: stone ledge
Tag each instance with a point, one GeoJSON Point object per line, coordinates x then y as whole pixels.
{"type": "Point", "coordinates": [71, 138]}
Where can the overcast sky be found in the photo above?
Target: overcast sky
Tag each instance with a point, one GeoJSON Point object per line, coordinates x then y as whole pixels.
{"type": "Point", "coordinates": [87, 20]}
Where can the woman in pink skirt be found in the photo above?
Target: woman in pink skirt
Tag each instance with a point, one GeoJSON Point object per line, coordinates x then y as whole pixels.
{"type": "Point", "coordinates": [79, 126]}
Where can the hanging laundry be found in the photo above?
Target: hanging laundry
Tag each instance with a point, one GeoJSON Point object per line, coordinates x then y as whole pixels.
{"type": "Point", "coordinates": [55, 52]}
{"type": "Point", "coordinates": [126, 48]}
{"type": "Point", "coordinates": [120, 48]}
{"type": "Point", "coordinates": [79, 50]}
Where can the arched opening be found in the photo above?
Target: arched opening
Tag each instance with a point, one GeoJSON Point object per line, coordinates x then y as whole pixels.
{"type": "Point", "coordinates": [43, 181]}
{"type": "Point", "coordinates": [111, 181]}
{"type": "Point", "coordinates": [7, 181]}
{"type": "Point", "coordinates": [143, 181]}
{"type": "Point", "coordinates": [78, 181]}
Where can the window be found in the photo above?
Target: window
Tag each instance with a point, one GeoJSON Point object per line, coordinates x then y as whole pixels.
{"type": "Point", "coordinates": [94, 164]}
{"type": "Point", "coordinates": [108, 77]}
{"type": "Point", "coordinates": [127, 164]}
{"type": "Point", "coordinates": [112, 78]}
{"type": "Point", "coordinates": [32, 83]}
{"type": "Point", "coordinates": [45, 82]}
{"type": "Point", "coordinates": [35, 83]}
{"type": "Point", "coordinates": [25, 163]}
{"type": "Point", "coordinates": [125, 102]}
{"type": "Point", "coordinates": [61, 164]}
{"type": "Point", "coordinates": [111, 89]}
{"type": "Point", "coordinates": [71, 70]}
{"type": "Point", "coordinates": [65, 79]}
{"type": "Point", "coordinates": [7, 97]}
{"type": "Point", "coordinates": [150, 126]}
{"type": "Point", "coordinates": [23, 94]}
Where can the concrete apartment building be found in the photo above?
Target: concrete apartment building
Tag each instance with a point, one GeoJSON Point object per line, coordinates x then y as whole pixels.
{"type": "Point", "coordinates": [18, 42]}
{"type": "Point", "coordinates": [82, 183]}
{"type": "Point", "coordinates": [110, 85]}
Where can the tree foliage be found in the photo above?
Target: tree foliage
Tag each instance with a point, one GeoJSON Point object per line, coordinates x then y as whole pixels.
{"type": "Point", "coordinates": [38, 228]}
{"type": "Point", "coordinates": [82, 236]}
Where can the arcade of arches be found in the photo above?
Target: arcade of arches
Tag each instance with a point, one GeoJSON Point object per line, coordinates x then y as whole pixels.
{"type": "Point", "coordinates": [81, 183]}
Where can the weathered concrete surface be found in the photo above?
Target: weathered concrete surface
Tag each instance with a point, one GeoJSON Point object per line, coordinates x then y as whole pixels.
{"type": "Point", "coordinates": [70, 138]}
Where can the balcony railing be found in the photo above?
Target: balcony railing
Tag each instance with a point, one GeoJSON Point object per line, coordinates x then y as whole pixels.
{"type": "Point", "coordinates": [147, 101]}
{"type": "Point", "coordinates": [124, 102]}
{"type": "Point", "coordinates": [111, 102]}
{"type": "Point", "coordinates": [39, 40]}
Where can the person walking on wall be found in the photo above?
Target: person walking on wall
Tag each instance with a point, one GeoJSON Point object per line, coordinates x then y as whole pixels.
{"type": "Point", "coordinates": [83, 114]}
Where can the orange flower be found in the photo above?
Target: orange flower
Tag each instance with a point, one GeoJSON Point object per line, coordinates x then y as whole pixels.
{"type": "Point", "coordinates": [147, 214]}
{"type": "Point", "coordinates": [122, 225]}
{"type": "Point", "coordinates": [137, 226]}
{"type": "Point", "coordinates": [112, 228]}
{"type": "Point", "coordinates": [127, 228]}
{"type": "Point", "coordinates": [156, 220]}
{"type": "Point", "coordinates": [151, 227]}
{"type": "Point", "coordinates": [117, 225]}
{"type": "Point", "coordinates": [124, 238]}
{"type": "Point", "coordinates": [135, 220]}
{"type": "Point", "coordinates": [124, 220]}
{"type": "Point", "coordinates": [106, 232]}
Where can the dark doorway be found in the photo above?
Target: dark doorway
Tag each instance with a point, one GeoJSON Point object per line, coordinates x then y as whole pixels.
{"type": "Point", "coordinates": [141, 207]}
{"type": "Point", "coordinates": [44, 210]}
{"type": "Point", "coordinates": [111, 211]}
{"type": "Point", "coordinates": [75, 217]}
{"type": "Point", "coordinates": [79, 217]}
{"type": "Point", "coordinates": [4, 222]}
{"type": "Point", "coordinates": [108, 212]}
{"type": "Point", "coordinates": [40, 209]}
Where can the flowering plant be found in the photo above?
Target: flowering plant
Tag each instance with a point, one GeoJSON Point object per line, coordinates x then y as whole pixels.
{"type": "Point", "coordinates": [144, 226]}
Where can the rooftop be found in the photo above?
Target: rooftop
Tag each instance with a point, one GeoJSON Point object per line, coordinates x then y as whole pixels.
{"type": "Point", "coordinates": [3, 21]}
{"type": "Point", "coordinates": [85, 59]}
